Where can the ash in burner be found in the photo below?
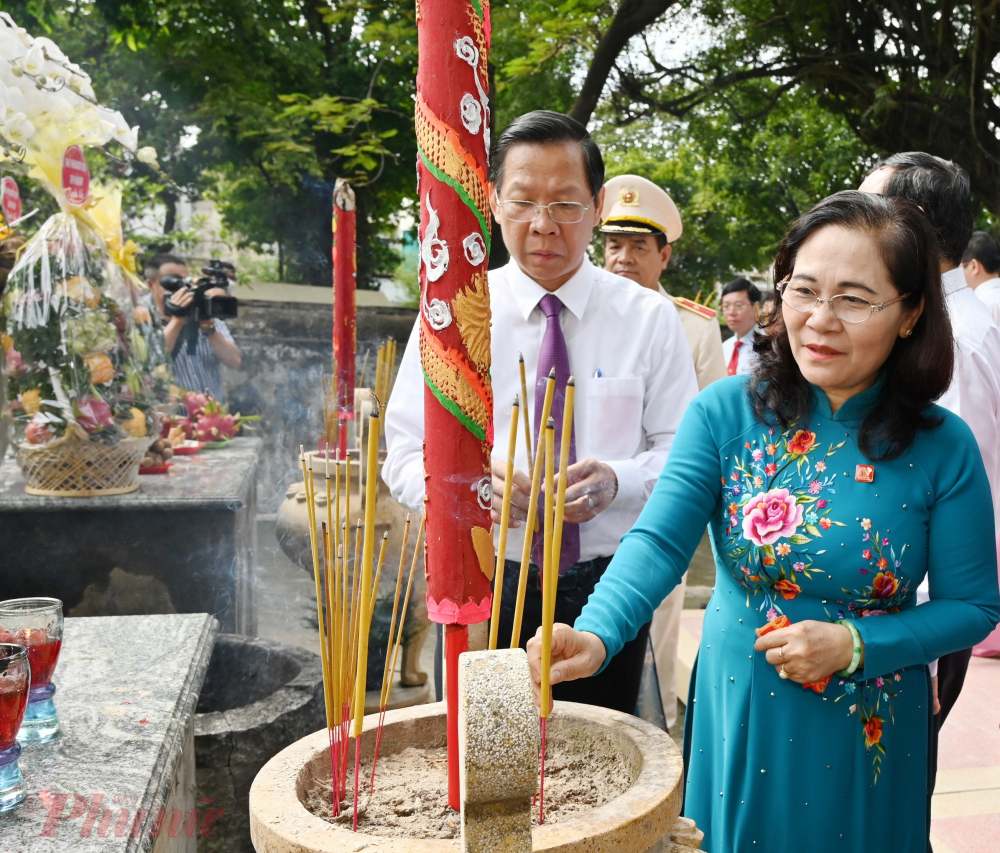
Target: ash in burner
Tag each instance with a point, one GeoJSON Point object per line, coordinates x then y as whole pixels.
{"type": "Point", "coordinates": [411, 789]}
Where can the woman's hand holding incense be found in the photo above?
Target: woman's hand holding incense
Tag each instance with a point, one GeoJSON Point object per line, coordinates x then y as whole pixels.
{"type": "Point", "coordinates": [520, 497]}
{"type": "Point", "coordinates": [575, 654]}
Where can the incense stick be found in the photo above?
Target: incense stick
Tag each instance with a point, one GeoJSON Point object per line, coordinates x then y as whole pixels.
{"type": "Point", "coordinates": [527, 416]}
{"type": "Point", "coordinates": [536, 479]}
{"type": "Point", "coordinates": [388, 645]}
{"type": "Point", "coordinates": [550, 581]}
{"type": "Point", "coordinates": [365, 616]}
{"type": "Point", "coordinates": [508, 487]}
{"type": "Point", "coordinates": [406, 603]}
{"type": "Point", "coordinates": [547, 571]}
{"type": "Point", "coordinates": [378, 572]}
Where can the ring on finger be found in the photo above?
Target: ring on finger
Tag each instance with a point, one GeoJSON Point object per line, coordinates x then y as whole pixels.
{"type": "Point", "coordinates": [781, 656]}
{"type": "Point", "coordinates": [782, 673]}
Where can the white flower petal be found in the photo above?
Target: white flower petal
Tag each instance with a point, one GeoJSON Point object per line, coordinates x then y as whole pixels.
{"type": "Point", "coordinates": [34, 60]}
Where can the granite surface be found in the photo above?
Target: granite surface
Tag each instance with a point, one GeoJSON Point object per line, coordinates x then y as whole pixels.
{"type": "Point", "coordinates": [183, 543]}
{"type": "Point", "coordinates": [211, 478]}
{"type": "Point", "coordinates": [127, 688]}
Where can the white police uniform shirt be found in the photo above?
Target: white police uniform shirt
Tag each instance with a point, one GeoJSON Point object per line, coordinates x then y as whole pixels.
{"type": "Point", "coordinates": [634, 379]}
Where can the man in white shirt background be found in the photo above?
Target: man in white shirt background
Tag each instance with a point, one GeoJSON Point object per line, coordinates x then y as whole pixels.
{"type": "Point", "coordinates": [625, 347]}
{"type": "Point", "coordinates": [941, 189]}
{"type": "Point", "coordinates": [740, 300]}
{"type": "Point", "coordinates": [980, 263]}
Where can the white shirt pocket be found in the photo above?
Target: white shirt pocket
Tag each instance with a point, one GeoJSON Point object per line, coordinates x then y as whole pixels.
{"type": "Point", "coordinates": [614, 417]}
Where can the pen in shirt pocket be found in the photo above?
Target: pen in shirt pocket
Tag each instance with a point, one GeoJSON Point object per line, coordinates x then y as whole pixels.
{"type": "Point", "coordinates": [597, 373]}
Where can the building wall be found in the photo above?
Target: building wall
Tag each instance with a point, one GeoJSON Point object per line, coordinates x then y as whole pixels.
{"type": "Point", "coordinates": [287, 348]}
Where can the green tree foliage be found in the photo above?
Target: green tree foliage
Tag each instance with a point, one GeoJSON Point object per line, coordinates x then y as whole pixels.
{"type": "Point", "coordinates": [747, 111]}
{"type": "Point", "coordinates": [736, 199]}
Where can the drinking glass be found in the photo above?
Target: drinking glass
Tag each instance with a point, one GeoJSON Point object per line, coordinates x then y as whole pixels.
{"type": "Point", "coordinates": [36, 624]}
{"type": "Point", "coordinates": [15, 679]}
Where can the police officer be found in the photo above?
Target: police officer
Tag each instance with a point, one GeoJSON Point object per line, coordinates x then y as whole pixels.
{"type": "Point", "coordinates": [639, 222]}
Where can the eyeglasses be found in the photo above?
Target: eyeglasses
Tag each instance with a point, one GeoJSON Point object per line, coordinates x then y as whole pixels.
{"type": "Point", "coordinates": [845, 306]}
{"type": "Point", "coordinates": [734, 306]}
{"type": "Point", "coordinates": [563, 212]}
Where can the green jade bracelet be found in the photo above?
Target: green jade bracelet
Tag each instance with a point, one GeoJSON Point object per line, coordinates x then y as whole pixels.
{"type": "Point", "coordinates": [847, 673]}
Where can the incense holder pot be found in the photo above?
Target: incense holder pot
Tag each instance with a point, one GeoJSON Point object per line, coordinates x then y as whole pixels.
{"type": "Point", "coordinates": [641, 819]}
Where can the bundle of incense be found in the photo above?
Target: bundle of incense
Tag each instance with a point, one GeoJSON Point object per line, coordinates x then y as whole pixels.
{"type": "Point", "coordinates": [392, 646]}
{"type": "Point", "coordinates": [365, 598]}
{"type": "Point", "coordinates": [529, 525]}
{"type": "Point", "coordinates": [324, 659]}
{"type": "Point", "coordinates": [504, 524]}
{"type": "Point", "coordinates": [550, 574]}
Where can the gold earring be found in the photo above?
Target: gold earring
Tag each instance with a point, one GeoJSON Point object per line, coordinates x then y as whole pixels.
{"type": "Point", "coordinates": [907, 333]}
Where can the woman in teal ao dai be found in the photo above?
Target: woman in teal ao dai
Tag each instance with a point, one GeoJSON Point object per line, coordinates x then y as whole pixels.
{"type": "Point", "coordinates": [830, 486]}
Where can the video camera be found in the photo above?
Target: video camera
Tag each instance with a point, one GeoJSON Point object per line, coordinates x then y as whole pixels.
{"type": "Point", "coordinates": [217, 274]}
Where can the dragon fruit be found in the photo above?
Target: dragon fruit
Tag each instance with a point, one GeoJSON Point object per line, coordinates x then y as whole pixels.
{"type": "Point", "coordinates": [93, 414]}
{"type": "Point", "coordinates": [196, 403]}
{"type": "Point", "coordinates": [214, 423]}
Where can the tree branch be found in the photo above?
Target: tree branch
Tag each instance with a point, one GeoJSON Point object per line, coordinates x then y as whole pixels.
{"type": "Point", "coordinates": [631, 18]}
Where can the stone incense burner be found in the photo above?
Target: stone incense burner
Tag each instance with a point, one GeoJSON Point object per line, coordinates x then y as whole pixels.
{"type": "Point", "coordinates": [642, 819]}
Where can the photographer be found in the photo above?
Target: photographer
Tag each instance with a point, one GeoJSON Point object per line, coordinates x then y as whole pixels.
{"type": "Point", "coordinates": [197, 371]}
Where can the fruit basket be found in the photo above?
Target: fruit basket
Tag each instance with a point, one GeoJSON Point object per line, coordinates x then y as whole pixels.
{"type": "Point", "coordinates": [75, 466]}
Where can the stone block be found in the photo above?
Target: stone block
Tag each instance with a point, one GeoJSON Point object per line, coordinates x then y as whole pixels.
{"type": "Point", "coordinates": [498, 737]}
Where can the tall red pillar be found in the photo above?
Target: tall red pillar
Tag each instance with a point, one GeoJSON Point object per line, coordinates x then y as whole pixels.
{"type": "Point", "coordinates": [452, 125]}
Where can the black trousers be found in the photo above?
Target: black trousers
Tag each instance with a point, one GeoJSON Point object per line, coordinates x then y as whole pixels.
{"type": "Point", "coordinates": [951, 676]}
{"type": "Point", "coordinates": [617, 687]}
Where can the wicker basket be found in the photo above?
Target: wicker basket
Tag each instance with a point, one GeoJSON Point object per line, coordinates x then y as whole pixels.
{"type": "Point", "coordinates": [76, 467]}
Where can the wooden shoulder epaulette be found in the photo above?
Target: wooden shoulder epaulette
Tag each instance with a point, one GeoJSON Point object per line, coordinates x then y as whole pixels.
{"type": "Point", "coordinates": [700, 310]}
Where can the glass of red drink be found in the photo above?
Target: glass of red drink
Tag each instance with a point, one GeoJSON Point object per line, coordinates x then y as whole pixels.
{"type": "Point", "coordinates": [15, 680]}
{"type": "Point", "coordinates": [36, 624]}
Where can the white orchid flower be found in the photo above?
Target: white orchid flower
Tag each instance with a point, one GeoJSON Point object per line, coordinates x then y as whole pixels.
{"type": "Point", "coordinates": [10, 45]}
{"type": "Point", "coordinates": [15, 102]}
{"type": "Point", "coordinates": [146, 154]}
{"type": "Point", "coordinates": [127, 136]}
{"type": "Point", "coordinates": [34, 60]}
{"type": "Point", "coordinates": [51, 49]}
{"type": "Point", "coordinates": [18, 129]}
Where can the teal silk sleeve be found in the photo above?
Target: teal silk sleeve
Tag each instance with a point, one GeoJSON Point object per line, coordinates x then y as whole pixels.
{"type": "Point", "coordinates": [961, 562]}
{"type": "Point", "coordinates": [655, 553]}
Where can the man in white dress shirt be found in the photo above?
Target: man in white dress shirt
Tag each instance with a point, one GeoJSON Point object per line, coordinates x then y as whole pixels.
{"type": "Point", "coordinates": [626, 348]}
{"type": "Point", "coordinates": [980, 263]}
{"type": "Point", "coordinates": [740, 300]}
{"type": "Point", "coordinates": [941, 189]}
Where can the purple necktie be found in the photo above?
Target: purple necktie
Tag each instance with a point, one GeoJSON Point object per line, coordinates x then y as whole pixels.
{"type": "Point", "coordinates": [553, 353]}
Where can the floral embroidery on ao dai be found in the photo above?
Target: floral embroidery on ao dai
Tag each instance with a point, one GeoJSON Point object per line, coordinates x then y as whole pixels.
{"type": "Point", "coordinates": [799, 534]}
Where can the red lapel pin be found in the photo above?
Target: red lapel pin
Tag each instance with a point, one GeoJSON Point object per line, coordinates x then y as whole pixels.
{"type": "Point", "coordinates": [865, 473]}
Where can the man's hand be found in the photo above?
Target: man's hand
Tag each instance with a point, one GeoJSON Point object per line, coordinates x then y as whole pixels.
{"type": "Point", "coordinates": [575, 654]}
{"type": "Point", "coordinates": [519, 497]}
{"type": "Point", "coordinates": [182, 299]}
{"type": "Point", "coordinates": [810, 650]}
{"type": "Point", "coordinates": [591, 488]}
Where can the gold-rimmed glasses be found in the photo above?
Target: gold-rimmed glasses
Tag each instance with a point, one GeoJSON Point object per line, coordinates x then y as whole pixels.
{"type": "Point", "coordinates": [563, 212]}
{"type": "Point", "coordinates": [846, 307]}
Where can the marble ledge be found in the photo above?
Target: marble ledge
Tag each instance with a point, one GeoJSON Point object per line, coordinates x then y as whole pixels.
{"type": "Point", "coordinates": [126, 691]}
{"type": "Point", "coordinates": [211, 479]}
